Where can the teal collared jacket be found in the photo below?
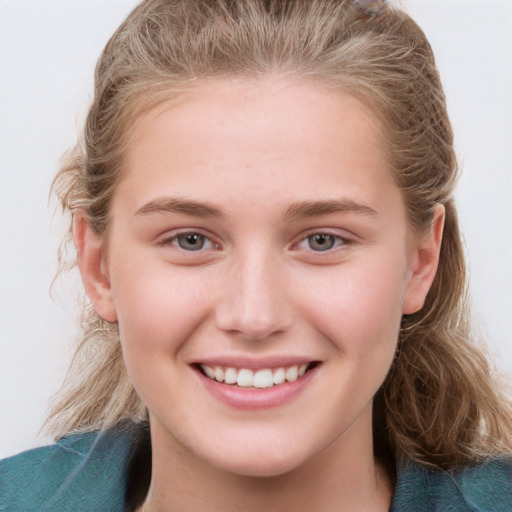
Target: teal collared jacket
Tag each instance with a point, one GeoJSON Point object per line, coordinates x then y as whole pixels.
{"type": "Point", "coordinates": [89, 472]}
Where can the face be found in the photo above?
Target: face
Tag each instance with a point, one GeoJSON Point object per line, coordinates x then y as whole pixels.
{"type": "Point", "coordinates": [258, 263]}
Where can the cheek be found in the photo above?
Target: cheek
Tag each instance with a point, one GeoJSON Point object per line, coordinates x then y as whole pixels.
{"type": "Point", "coordinates": [158, 309]}
{"type": "Point", "coordinates": [158, 312]}
{"type": "Point", "coordinates": [359, 307]}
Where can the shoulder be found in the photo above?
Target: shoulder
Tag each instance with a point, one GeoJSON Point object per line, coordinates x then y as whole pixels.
{"type": "Point", "coordinates": [80, 472]}
{"type": "Point", "coordinates": [483, 488]}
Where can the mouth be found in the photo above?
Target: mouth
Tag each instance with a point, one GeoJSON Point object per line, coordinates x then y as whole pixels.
{"type": "Point", "coordinates": [260, 378]}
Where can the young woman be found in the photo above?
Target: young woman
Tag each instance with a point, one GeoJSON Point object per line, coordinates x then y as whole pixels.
{"type": "Point", "coordinates": [262, 210]}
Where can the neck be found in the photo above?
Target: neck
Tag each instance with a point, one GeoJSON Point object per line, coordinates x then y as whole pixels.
{"type": "Point", "coordinates": [343, 477]}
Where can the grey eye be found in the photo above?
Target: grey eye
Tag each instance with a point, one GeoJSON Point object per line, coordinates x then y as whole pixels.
{"type": "Point", "coordinates": [321, 242]}
{"type": "Point", "coordinates": [191, 241]}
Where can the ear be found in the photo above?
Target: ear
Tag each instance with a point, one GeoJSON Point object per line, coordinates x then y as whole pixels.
{"type": "Point", "coordinates": [423, 263]}
{"type": "Point", "coordinates": [93, 268]}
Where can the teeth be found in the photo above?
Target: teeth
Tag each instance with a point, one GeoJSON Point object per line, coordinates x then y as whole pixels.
{"type": "Point", "coordinates": [230, 376]}
{"type": "Point", "coordinates": [279, 376]}
{"type": "Point", "coordinates": [208, 371]}
{"type": "Point", "coordinates": [245, 378]}
{"type": "Point", "coordinates": [263, 378]}
{"type": "Point", "coordinates": [218, 374]}
{"type": "Point", "coordinates": [292, 373]}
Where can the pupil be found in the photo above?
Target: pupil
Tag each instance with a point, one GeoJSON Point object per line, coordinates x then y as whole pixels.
{"type": "Point", "coordinates": [191, 242]}
{"type": "Point", "coordinates": [321, 242]}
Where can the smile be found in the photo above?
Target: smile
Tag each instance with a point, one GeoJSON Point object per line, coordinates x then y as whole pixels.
{"type": "Point", "coordinates": [260, 378]}
{"type": "Point", "coordinates": [252, 386]}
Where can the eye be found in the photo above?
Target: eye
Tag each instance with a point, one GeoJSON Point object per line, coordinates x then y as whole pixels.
{"type": "Point", "coordinates": [189, 241]}
{"type": "Point", "coordinates": [322, 242]}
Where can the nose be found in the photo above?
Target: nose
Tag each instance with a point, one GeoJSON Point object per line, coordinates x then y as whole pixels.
{"type": "Point", "coordinates": [253, 301]}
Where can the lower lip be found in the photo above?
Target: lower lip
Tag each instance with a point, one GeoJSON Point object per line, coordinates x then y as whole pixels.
{"type": "Point", "coordinates": [256, 398]}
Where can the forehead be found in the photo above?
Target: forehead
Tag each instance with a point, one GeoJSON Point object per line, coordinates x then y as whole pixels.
{"type": "Point", "coordinates": [264, 100]}
{"type": "Point", "coordinates": [276, 135]}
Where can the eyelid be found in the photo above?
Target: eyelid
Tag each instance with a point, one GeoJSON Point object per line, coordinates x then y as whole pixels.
{"type": "Point", "coordinates": [169, 237]}
{"type": "Point", "coordinates": [345, 239]}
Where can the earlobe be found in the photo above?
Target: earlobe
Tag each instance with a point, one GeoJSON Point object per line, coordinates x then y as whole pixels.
{"type": "Point", "coordinates": [93, 268]}
{"type": "Point", "coordinates": [423, 263]}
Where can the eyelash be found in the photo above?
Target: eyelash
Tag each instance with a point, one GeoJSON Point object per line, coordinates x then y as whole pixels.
{"type": "Point", "coordinates": [175, 240]}
{"type": "Point", "coordinates": [336, 240]}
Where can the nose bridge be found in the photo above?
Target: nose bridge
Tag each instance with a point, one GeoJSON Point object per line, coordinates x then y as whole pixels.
{"type": "Point", "coordinates": [253, 302]}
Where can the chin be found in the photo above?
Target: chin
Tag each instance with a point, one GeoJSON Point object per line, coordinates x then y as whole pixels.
{"type": "Point", "coordinates": [257, 460]}
{"type": "Point", "coordinates": [262, 467]}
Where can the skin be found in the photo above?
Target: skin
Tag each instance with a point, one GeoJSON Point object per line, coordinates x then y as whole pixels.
{"type": "Point", "coordinates": [259, 288]}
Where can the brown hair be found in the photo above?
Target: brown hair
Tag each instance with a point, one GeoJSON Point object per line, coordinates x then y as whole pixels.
{"type": "Point", "coordinates": [439, 404]}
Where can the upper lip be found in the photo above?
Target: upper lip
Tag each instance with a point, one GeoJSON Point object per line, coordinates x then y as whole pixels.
{"type": "Point", "coordinates": [240, 361]}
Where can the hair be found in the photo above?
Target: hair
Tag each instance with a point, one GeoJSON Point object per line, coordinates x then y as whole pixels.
{"type": "Point", "coordinates": [439, 405]}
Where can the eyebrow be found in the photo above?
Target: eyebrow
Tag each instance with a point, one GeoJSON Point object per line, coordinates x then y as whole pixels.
{"type": "Point", "coordinates": [180, 205]}
{"type": "Point", "coordinates": [303, 209]}
{"type": "Point", "coordinates": [325, 207]}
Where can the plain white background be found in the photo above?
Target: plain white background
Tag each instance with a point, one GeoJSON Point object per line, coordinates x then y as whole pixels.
{"type": "Point", "coordinates": [48, 49]}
